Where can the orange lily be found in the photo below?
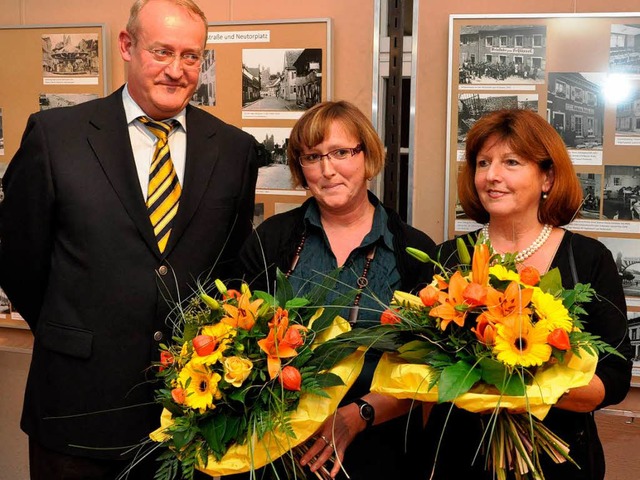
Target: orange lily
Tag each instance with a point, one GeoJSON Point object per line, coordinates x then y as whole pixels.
{"type": "Point", "coordinates": [480, 264]}
{"type": "Point", "coordinates": [452, 305]}
{"type": "Point", "coordinates": [513, 301]}
{"type": "Point", "coordinates": [485, 330]}
{"type": "Point", "coordinates": [244, 315]}
{"type": "Point", "coordinates": [281, 342]}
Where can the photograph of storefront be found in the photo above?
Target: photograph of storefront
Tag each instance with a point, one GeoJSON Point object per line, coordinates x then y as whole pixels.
{"type": "Point", "coordinates": [624, 48]}
{"type": "Point", "coordinates": [205, 94]}
{"type": "Point", "coordinates": [575, 108]}
{"type": "Point", "coordinates": [471, 106]}
{"type": "Point", "coordinates": [628, 115]}
{"type": "Point", "coordinates": [502, 53]}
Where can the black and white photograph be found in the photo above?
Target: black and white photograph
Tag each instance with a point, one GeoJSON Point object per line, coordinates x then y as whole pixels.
{"type": "Point", "coordinates": [508, 54]}
{"type": "Point", "coordinates": [471, 106]}
{"type": "Point", "coordinates": [205, 94]}
{"type": "Point", "coordinates": [628, 115]}
{"type": "Point", "coordinates": [633, 319]}
{"type": "Point", "coordinates": [5, 306]}
{"type": "Point", "coordinates": [55, 100]}
{"type": "Point", "coordinates": [281, 79]}
{"type": "Point", "coordinates": [576, 108]}
{"type": "Point", "coordinates": [1, 135]}
{"type": "Point", "coordinates": [626, 253]}
{"type": "Point", "coordinates": [3, 168]}
{"type": "Point", "coordinates": [73, 55]}
{"type": "Point", "coordinates": [624, 48]}
{"type": "Point", "coordinates": [591, 185]}
{"type": "Point", "coordinates": [621, 192]}
{"type": "Point", "coordinates": [273, 173]}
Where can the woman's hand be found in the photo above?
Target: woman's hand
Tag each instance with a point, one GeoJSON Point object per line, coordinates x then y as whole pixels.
{"type": "Point", "coordinates": [334, 436]}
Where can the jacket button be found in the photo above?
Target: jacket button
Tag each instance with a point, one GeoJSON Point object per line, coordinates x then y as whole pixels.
{"type": "Point", "coordinates": [163, 270]}
{"type": "Point", "coordinates": [157, 336]}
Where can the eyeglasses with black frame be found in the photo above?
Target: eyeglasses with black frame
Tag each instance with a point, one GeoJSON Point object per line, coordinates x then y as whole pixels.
{"type": "Point", "coordinates": [167, 57]}
{"type": "Point", "coordinates": [312, 159]}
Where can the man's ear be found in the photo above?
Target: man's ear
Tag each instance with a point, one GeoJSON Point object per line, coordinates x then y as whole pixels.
{"type": "Point", "coordinates": [125, 43]}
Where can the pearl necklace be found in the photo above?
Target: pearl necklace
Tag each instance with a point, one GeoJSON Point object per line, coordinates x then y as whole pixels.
{"type": "Point", "coordinates": [522, 255]}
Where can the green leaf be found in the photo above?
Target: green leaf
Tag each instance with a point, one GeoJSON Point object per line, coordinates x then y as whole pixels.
{"type": "Point", "coordinates": [415, 351]}
{"type": "Point", "coordinates": [190, 331]}
{"type": "Point", "coordinates": [213, 431]}
{"type": "Point", "coordinates": [284, 290]}
{"type": "Point", "coordinates": [456, 380]}
{"type": "Point", "coordinates": [329, 379]}
{"type": "Point", "coordinates": [182, 438]}
{"type": "Point", "coordinates": [318, 294]}
{"type": "Point", "coordinates": [268, 298]}
{"type": "Point", "coordinates": [551, 282]}
{"type": "Point", "coordinates": [330, 312]}
{"type": "Point", "coordinates": [328, 354]}
{"type": "Point", "coordinates": [296, 303]}
{"type": "Point", "coordinates": [496, 373]}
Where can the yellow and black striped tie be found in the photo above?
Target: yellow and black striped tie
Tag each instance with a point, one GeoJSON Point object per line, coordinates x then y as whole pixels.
{"type": "Point", "coordinates": [164, 188]}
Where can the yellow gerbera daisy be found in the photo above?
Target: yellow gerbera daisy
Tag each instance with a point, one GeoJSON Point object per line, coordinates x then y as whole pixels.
{"type": "Point", "coordinates": [551, 312]}
{"type": "Point", "coordinates": [200, 387]}
{"type": "Point", "coordinates": [519, 342]}
{"type": "Point", "coordinates": [502, 273]}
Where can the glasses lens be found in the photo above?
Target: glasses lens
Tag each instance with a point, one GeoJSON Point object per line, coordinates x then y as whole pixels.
{"type": "Point", "coordinates": [340, 153]}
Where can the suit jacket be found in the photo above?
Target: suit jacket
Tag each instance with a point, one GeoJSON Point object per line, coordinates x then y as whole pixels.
{"type": "Point", "coordinates": [79, 260]}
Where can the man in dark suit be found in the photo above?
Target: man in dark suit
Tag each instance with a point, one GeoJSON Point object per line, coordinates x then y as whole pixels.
{"type": "Point", "coordinates": [79, 257]}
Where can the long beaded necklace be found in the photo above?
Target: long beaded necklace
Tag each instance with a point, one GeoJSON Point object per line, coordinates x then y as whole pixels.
{"type": "Point", "coordinates": [361, 281]}
{"type": "Point", "coordinates": [522, 255]}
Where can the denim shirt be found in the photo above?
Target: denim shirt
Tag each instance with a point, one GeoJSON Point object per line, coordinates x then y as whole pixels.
{"type": "Point", "coordinates": [317, 260]}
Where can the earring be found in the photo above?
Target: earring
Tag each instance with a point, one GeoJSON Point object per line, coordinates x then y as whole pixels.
{"type": "Point", "coordinates": [544, 195]}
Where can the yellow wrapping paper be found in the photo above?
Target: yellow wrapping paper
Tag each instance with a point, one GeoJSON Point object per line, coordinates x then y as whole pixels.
{"type": "Point", "coordinates": [399, 379]}
{"type": "Point", "coordinates": [311, 413]}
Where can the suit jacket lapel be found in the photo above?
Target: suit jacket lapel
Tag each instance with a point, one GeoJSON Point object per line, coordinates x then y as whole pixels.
{"type": "Point", "coordinates": [201, 158]}
{"type": "Point", "coordinates": [112, 147]}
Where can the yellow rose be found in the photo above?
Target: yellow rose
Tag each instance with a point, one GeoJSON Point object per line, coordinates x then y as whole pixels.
{"type": "Point", "coordinates": [236, 370]}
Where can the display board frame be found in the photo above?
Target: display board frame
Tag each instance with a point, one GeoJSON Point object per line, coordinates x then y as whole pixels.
{"type": "Point", "coordinates": [58, 65]}
{"type": "Point", "coordinates": [570, 68]}
{"type": "Point", "coordinates": [266, 74]}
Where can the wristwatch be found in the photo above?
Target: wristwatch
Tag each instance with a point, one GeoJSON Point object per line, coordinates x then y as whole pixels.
{"type": "Point", "coordinates": [367, 412]}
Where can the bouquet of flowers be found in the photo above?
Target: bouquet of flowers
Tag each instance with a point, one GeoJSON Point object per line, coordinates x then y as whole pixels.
{"type": "Point", "coordinates": [490, 339]}
{"type": "Point", "coordinates": [249, 377]}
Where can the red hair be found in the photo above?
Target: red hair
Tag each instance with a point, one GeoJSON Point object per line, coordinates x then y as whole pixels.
{"type": "Point", "coordinates": [534, 139]}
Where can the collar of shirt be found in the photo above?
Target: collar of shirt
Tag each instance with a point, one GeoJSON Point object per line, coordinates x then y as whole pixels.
{"type": "Point", "coordinates": [379, 228]}
{"type": "Point", "coordinates": [143, 141]}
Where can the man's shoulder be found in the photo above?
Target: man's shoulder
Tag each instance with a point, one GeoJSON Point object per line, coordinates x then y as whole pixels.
{"type": "Point", "coordinates": [85, 110]}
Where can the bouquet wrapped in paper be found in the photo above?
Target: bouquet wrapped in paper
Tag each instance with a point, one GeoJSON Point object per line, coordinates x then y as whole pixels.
{"type": "Point", "coordinates": [249, 378]}
{"type": "Point", "coordinates": [489, 338]}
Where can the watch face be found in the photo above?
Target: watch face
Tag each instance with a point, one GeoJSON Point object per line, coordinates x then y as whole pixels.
{"type": "Point", "coordinates": [366, 411]}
